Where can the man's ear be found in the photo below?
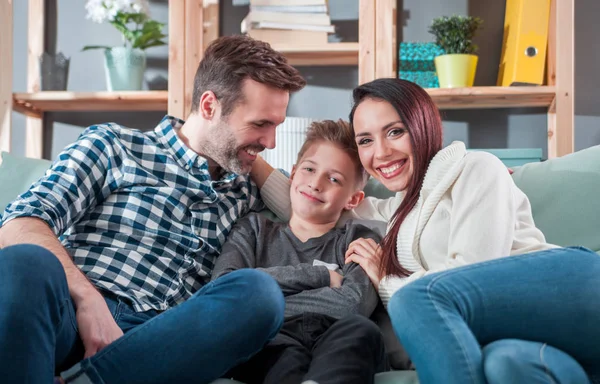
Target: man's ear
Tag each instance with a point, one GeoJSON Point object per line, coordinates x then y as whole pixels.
{"type": "Point", "coordinates": [209, 105]}
{"type": "Point", "coordinates": [354, 200]}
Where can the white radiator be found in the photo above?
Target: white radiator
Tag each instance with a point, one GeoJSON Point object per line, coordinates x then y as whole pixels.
{"type": "Point", "coordinates": [290, 136]}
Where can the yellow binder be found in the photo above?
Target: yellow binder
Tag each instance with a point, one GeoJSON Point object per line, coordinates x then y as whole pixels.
{"type": "Point", "coordinates": [525, 41]}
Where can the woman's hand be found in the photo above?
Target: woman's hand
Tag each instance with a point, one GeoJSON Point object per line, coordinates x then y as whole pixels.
{"type": "Point", "coordinates": [367, 254]}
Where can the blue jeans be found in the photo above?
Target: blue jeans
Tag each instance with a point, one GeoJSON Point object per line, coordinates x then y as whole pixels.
{"type": "Point", "coordinates": [536, 315]}
{"type": "Point", "coordinates": [220, 326]}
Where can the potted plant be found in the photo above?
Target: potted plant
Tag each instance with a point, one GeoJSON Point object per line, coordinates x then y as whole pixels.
{"type": "Point", "coordinates": [125, 65]}
{"type": "Point", "coordinates": [455, 35]}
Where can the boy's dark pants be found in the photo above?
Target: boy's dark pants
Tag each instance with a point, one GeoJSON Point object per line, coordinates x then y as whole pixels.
{"type": "Point", "coordinates": [317, 347]}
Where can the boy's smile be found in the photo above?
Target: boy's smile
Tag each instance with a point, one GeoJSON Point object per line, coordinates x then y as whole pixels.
{"type": "Point", "coordinates": [324, 183]}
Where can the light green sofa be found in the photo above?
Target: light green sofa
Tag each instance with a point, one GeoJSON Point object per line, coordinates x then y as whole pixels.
{"type": "Point", "coordinates": [563, 194]}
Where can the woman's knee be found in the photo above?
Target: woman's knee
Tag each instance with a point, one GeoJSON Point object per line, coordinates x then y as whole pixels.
{"type": "Point", "coordinates": [521, 361]}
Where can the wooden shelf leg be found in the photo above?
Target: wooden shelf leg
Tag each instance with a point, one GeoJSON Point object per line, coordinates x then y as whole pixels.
{"type": "Point", "coordinates": [385, 39]}
{"type": "Point", "coordinates": [561, 117]}
{"type": "Point", "coordinates": [6, 72]}
{"type": "Point", "coordinates": [176, 58]}
{"type": "Point", "coordinates": [366, 41]}
{"type": "Point", "coordinates": [34, 126]}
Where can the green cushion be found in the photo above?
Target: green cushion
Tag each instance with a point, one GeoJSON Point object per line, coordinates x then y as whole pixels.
{"type": "Point", "coordinates": [398, 377]}
{"type": "Point", "coordinates": [17, 174]}
{"type": "Point", "coordinates": [564, 197]}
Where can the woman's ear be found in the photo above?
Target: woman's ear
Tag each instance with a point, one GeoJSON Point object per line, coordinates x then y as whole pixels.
{"type": "Point", "coordinates": [354, 200]}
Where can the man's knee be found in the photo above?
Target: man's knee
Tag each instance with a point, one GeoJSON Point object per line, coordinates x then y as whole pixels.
{"type": "Point", "coordinates": [28, 272]}
{"type": "Point", "coordinates": [259, 295]}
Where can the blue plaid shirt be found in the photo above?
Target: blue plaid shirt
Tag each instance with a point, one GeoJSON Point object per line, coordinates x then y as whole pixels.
{"type": "Point", "coordinates": [138, 212]}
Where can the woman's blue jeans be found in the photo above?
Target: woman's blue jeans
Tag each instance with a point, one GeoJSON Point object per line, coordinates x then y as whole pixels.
{"type": "Point", "coordinates": [222, 325]}
{"type": "Point", "coordinates": [532, 318]}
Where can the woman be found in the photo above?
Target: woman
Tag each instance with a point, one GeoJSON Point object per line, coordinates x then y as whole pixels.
{"type": "Point", "coordinates": [463, 311]}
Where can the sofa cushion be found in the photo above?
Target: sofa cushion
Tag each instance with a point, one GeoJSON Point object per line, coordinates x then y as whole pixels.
{"type": "Point", "coordinates": [564, 197]}
{"type": "Point", "coordinates": [17, 174]}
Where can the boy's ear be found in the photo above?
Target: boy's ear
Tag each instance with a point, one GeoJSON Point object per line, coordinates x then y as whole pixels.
{"type": "Point", "coordinates": [293, 171]}
{"type": "Point", "coordinates": [354, 200]}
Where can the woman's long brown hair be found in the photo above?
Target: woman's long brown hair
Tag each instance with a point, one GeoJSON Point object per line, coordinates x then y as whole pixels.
{"type": "Point", "coordinates": [422, 120]}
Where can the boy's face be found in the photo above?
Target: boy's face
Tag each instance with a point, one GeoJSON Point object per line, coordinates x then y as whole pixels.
{"type": "Point", "coordinates": [324, 183]}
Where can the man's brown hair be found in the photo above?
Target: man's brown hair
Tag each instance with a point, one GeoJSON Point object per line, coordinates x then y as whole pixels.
{"type": "Point", "coordinates": [229, 60]}
{"type": "Point", "coordinates": [341, 134]}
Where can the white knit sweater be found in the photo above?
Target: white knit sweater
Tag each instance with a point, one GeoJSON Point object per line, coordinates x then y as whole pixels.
{"type": "Point", "coordinates": [469, 210]}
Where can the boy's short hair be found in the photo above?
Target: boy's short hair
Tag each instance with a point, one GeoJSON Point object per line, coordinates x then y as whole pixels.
{"type": "Point", "coordinates": [341, 134]}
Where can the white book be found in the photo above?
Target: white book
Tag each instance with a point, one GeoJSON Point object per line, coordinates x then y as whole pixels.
{"type": "Point", "coordinates": [290, 9]}
{"type": "Point", "coordinates": [289, 18]}
{"type": "Point", "coordinates": [246, 26]}
{"type": "Point", "coordinates": [287, 3]}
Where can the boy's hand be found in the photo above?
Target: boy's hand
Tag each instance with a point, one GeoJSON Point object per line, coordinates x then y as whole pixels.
{"type": "Point", "coordinates": [335, 279]}
{"type": "Point", "coordinates": [367, 254]}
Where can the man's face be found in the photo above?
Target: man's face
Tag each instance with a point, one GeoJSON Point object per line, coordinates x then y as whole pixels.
{"type": "Point", "coordinates": [324, 183]}
{"type": "Point", "coordinates": [235, 140]}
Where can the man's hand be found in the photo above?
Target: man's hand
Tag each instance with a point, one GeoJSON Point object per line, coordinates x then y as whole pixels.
{"type": "Point", "coordinates": [97, 327]}
{"type": "Point", "coordinates": [367, 254]}
{"type": "Point", "coordinates": [335, 279]}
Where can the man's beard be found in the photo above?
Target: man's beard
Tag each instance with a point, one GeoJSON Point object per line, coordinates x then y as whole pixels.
{"type": "Point", "coordinates": [223, 149]}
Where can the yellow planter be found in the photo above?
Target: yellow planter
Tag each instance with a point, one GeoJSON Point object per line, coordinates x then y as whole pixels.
{"type": "Point", "coordinates": [456, 70]}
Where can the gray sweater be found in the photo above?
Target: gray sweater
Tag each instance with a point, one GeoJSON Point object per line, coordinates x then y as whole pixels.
{"type": "Point", "coordinates": [301, 269]}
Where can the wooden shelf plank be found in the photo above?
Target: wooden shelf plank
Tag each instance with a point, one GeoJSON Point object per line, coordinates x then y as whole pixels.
{"type": "Point", "coordinates": [325, 54]}
{"type": "Point", "coordinates": [62, 101]}
{"type": "Point", "coordinates": [492, 97]}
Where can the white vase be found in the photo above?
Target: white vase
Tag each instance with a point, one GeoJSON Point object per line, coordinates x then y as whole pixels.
{"type": "Point", "coordinates": [124, 68]}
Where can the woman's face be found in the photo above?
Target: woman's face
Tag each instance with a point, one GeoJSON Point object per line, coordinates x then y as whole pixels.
{"type": "Point", "coordinates": [383, 144]}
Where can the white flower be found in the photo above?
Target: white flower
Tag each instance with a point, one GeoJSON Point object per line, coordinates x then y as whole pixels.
{"type": "Point", "coordinates": [101, 11]}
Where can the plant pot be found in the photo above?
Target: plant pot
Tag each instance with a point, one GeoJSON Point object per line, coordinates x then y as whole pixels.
{"type": "Point", "coordinates": [456, 70]}
{"type": "Point", "coordinates": [54, 72]}
{"type": "Point", "coordinates": [124, 68]}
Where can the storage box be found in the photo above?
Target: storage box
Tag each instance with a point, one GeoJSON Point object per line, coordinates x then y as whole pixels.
{"type": "Point", "coordinates": [514, 157]}
{"type": "Point", "coordinates": [415, 63]}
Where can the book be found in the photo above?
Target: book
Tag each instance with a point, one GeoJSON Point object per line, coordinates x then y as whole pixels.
{"type": "Point", "coordinates": [289, 18]}
{"type": "Point", "coordinates": [248, 25]}
{"type": "Point", "coordinates": [297, 38]}
{"type": "Point", "coordinates": [288, 3]}
{"type": "Point", "coordinates": [290, 8]}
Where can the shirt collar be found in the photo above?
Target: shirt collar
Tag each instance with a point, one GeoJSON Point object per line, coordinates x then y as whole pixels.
{"type": "Point", "coordinates": [166, 133]}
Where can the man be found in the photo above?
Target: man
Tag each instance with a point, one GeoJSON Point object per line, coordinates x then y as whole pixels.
{"type": "Point", "coordinates": [141, 218]}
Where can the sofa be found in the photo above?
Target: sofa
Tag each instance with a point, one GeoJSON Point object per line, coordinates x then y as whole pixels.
{"type": "Point", "coordinates": [563, 194]}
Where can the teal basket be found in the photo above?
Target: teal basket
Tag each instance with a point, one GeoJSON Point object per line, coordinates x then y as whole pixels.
{"type": "Point", "coordinates": [416, 63]}
{"type": "Point", "coordinates": [514, 157]}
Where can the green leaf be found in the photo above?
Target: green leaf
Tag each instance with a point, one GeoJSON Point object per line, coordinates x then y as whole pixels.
{"type": "Point", "coordinates": [454, 34]}
{"type": "Point", "coordinates": [89, 47]}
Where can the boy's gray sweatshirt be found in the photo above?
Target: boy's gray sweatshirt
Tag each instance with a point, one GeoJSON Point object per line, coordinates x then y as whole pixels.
{"type": "Point", "coordinates": [301, 269]}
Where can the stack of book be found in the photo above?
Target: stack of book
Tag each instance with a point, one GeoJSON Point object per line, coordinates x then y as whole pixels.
{"type": "Point", "coordinates": [281, 22]}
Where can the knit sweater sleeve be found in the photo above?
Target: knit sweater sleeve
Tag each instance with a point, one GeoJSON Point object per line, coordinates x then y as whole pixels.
{"type": "Point", "coordinates": [484, 212]}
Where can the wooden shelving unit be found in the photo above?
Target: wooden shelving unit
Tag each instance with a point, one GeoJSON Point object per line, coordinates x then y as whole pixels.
{"type": "Point", "coordinates": [375, 54]}
{"type": "Point", "coordinates": [492, 97]}
{"type": "Point", "coordinates": [32, 104]}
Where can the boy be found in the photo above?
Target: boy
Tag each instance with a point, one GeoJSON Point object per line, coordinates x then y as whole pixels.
{"type": "Point", "coordinates": [326, 336]}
